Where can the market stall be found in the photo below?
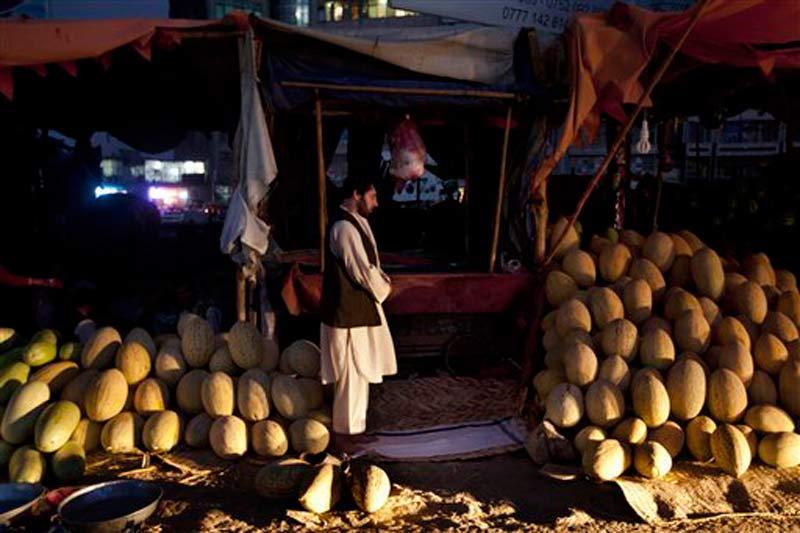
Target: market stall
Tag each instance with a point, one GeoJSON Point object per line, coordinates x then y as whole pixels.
{"type": "Point", "coordinates": [474, 82]}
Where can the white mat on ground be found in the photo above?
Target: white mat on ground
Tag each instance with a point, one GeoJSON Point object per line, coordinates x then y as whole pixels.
{"type": "Point", "coordinates": [465, 440]}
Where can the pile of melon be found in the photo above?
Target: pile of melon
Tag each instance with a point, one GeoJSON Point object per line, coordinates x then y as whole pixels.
{"type": "Point", "coordinates": [232, 393]}
{"type": "Point", "coordinates": [657, 349]}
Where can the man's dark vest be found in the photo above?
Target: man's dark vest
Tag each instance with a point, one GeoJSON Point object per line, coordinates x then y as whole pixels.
{"type": "Point", "coordinates": [345, 303]}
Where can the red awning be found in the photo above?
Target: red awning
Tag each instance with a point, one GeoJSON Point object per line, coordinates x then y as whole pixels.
{"type": "Point", "coordinates": [608, 52]}
{"type": "Point", "coordinates": [36, 43]}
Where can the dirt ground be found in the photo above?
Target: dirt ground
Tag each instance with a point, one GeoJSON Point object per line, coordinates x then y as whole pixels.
{"type": "Point", "coordinates": [499, 493]}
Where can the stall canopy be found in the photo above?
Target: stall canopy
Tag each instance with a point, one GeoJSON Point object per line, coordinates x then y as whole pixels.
{"type": "Point", "coordinates": [465, 58]}
{"type": "Point", "coordinates": [610, 54]}
{"type": "Point", "coordinates": [146, 81]}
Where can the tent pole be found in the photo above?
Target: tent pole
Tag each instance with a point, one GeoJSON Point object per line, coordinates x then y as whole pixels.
{"type": "Point", "coordinates": [501, 189]}
{"type": "Point", "coordinates": [241, 295]}
{"type": "Point", "coordinates": [623, 133]}
{"type": "Point", "coordinates": [466, 189]}
{"type": "Point", "coordinates": [321, 184]}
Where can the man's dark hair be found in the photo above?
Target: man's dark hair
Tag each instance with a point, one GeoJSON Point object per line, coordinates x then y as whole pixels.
{"type": "Point", "coordinates": [358, 184]}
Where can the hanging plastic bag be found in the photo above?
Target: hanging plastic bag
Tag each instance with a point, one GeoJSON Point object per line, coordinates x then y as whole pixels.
{"type": "Point", "coordinates": [408, 151]}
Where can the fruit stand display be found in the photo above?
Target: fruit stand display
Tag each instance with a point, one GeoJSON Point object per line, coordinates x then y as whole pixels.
{"type": "Point", "coordinates": [657, 349]}
{"type": "Point", "coordinates": [233, 393]}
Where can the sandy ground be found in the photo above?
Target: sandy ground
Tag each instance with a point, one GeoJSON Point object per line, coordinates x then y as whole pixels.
{"type": "Point", "coordinates": [500, 493]}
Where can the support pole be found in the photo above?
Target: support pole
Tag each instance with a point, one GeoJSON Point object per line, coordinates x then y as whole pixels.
{"type": "Point", "coordinates": [501, 189]}
{"type": "Point", "coordinates": [322, 196]}
{"type": "Point", "coordinates": [466, 189]}
{"type": "Point", "coordinates": [623, 133]}
{"type": "Point", "coordinates": [241, 296]}
{"type": "Point", "coordinates": [541, 212]}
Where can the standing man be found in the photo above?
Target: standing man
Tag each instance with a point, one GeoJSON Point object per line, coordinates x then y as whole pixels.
{"type": "Point", "coordinates": [355, 341]}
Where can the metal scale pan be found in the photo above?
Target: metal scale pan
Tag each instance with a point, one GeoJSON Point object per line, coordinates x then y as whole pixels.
{"type": "Point", "coordinates": [16, 498]}
{"type": "Point", "coordinates": [113, 506]}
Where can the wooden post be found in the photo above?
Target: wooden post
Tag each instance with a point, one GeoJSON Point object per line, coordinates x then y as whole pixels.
{"type": "Point", "coordinates": [501, 188]}
{"type": "Point", "coordinates": [251, 298]}
{"type": "Point", "coordinates": [541, 212]}
{"type": "Point", "coordinates": [241, 295]}
{"type": "Point", "coordinates": [623, 133]}
{"type": "Point", "coordinates": [322, 196]}
{"type": "Point", "coordinates": [466, 189]}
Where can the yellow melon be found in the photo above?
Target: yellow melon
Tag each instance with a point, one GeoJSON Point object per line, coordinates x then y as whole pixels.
{"type": "Point", "coordinates": [162, 431]}
{"type": "Point", "coordinates": [781, 326]}
{"type": "Point", "coordinates": [660, 249]}
{"type": "Point", "coordinates": [657, 350]}
{"type": "Point", "coordinates": [762, 390]}
{"type": "Point", "coordinates": [727, 396]}
{"type": "Point", "coordinates": [142, 337]}
{"type": "Point", "coordinates": [197, 342]}
{"type": "Point", "coordinates": [197, 430]}
{"type": "Point", "coordinates": [638, 301]}
{"type": "Point", "coordinates": [588, 435]}
{"type": "Point", "coordinates": [269, 439]}
{"type": "Point", "coordinates": [644, 269]}
{"type": "Point", "coordinates": [615, 370]}
{"type": "Point", "coordinates": [692, 332]}
{"type": "Point", "coordinates": [785, 281]}
{"type": "Point", "coordinates": [698, 437]}
{"type": "Point", "coordinates": [619, 338]}
{"type": "Point", "coordinates": [731, 330]}
{"type": "Point", "coordinates": [605, 404]}
{"type": "Point", "coordinates": [133, 360]}
{"type": "Point", "coordinates": [707, 273]}
{"type": "Point", "coordinates": [682, 247]}
{"type": "Point", "coordinates": [573, 314]}
{"type": "Point", "coordinates": [695, 244]}
{"type": "Point", "coordinates": [670, 435]}
{"type": "Point", "coordinates": [656, 322]}
{"type": "Point", "coordinates": [686, 388]}
{"type": "Point", "coordinates": [564, 405]}
{"type": "Point", "coordinates": [218, 395]}
{"type": "Point", "coordinates": [579, 265]}
{"type": "Point", "coordinates": [614, 262]}
{"type": "Point", "coordinates": [758, 269]}
{"type": "Point", "coordinates": [170, 365]}
{"type": "Point", "coordinates": [545, 381]}
{"type": "Point", "coordinates": [106, 395]}
{"type": "Point", "coordinates": [680, 275]}
{"type": "Point", "coordinates": [189, 391]}
{"type": "Point", "coordinates": [631, 431]}
{"type": "Point", "coordinates": [730, 450]}
{"type": "Point", "coordinates": [650, 400]}
{"type": "Point", "coordinates": [605, 306]}
{"type": "Point", "coordinates": [751, 302]}
{"type": "Point", "coordinates": [711, 311]}
{"type": "Point", "coordinates": [101, 348]}
{"type": "Point", "coordinates": [607, 460]}
{"type": "Point", "coordinates": [570, 242]}
{"type": "Point", "coordinates": [737, 358]}
{"type": "Point", "coordinates": [122, 434]}
{"type": "Point", "coordinates": [151, 396]}
{"type": "Point", "coordinates": [781, 450]}
{"type": "Point", "coordinates": [652, 460]}
{"type": "Point", "coordinates": [770, 353]}
{"type": "Point", "coordinates": [246, 345]}
{"type": "Point", "coordinates": [768, 419]}
{"type": "Point", "coordinates": [228, 437]}
{"type": "Point", "coordinates": [559, 287]}
{"type": "Point", "coordinates": [789, 305]}
{"type": "Point", "coordinates": [632, 239]}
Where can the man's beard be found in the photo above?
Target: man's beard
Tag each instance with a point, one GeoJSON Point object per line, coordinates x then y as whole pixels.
{"type": "Point", "coordinates": [363, 210]}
